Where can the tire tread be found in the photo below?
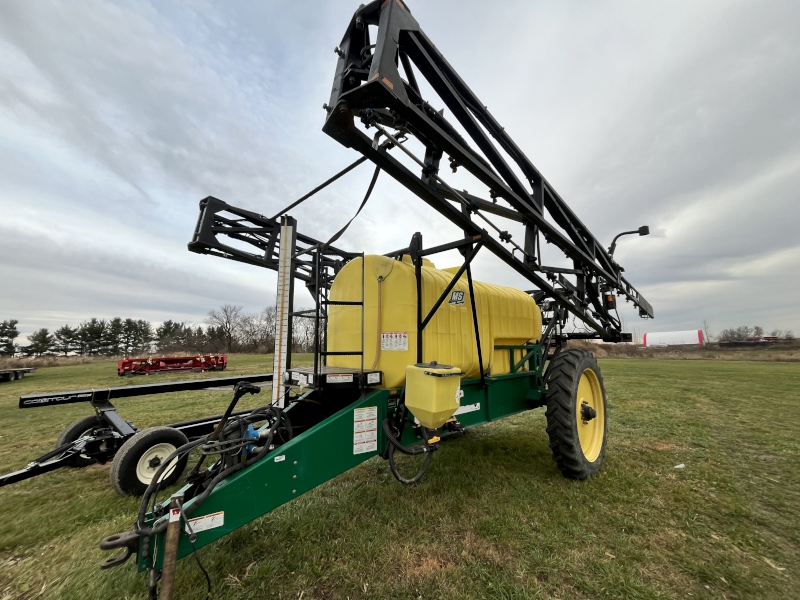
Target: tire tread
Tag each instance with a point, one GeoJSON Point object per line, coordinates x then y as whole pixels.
{"type": "Point", "coordinates": [72, 432]}
{"type": "Point", "coordinates": [562, 380]}
{"type": "Point", "coordinates": [123, 469]}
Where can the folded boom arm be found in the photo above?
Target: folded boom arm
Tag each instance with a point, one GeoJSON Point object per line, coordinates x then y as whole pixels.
{"type": "Point", "coordinates": [369, 88]}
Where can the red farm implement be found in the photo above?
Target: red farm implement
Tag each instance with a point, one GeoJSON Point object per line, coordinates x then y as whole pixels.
{"type": "Point", "coordinates": [146, 366]}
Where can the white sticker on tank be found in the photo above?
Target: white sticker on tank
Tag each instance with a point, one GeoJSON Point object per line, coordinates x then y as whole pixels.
{"type": "Point", "coordinates": [394, 341]}
{"type": "Point", "coordinates": [459, 395]}
{"type": "Point", "coordinates": [339, 378]}
{"type": "Point", "coordinates": [365, 429]}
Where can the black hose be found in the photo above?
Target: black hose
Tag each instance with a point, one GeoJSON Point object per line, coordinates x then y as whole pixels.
{"type": "Point", "coordinates": [394, 444]}
{"type": "Point", "coordinates": [396, 473]}
{"type": "Point", "coordinates": [387, 429]}
{"type": "Point", "coordinates": [281, 422]}
{"type": "Point", "coordinates": [239, 390]}
{"type": "Point", "coordinates": [155, 484]}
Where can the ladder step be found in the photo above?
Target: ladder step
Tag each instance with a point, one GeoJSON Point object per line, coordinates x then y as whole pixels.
{"type": "Point", "coordinates": [341, 353]}
{"type": "Point", "coordinates": [342, 303]}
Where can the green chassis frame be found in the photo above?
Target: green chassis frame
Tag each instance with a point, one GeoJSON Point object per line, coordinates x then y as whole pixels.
{"type": "Point", "coordinates": [326, 450]}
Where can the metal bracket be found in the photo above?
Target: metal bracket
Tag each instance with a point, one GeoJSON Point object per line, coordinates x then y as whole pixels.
{"type": "Point", "coordinates": [128, 541]}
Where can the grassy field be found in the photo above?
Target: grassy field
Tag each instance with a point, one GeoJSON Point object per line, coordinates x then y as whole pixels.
{"type": "Point", "coordinates": [492, 518]}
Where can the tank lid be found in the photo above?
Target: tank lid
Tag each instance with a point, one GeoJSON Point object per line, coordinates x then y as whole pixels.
{"type": "Point", "coordinates": [433, 365]}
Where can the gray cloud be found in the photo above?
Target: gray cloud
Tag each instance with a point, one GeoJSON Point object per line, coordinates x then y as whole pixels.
{"type": "Point", "coordinates": [116, 118]}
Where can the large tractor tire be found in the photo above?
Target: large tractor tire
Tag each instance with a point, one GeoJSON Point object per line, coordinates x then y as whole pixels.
{"type": "Point", "coordinates": [76, 430]}
{"type": "Point", "coordinates": [140, 457]}
{"type": "Point", "coordinates": [576, 413]}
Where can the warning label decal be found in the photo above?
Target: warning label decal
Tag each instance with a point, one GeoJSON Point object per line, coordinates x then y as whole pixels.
{"type": "Point", "coordinates": [365, 430]}
{"type": "Point", "coordinates": [207, 522]}
{"type": "Point", "coordinates": [394, 341]}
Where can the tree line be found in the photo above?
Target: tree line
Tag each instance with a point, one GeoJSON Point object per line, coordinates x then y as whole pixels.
{"type": "Point", "coordinates": [740, 334]}
{"type": "Point", "coordinates": [228, 329]}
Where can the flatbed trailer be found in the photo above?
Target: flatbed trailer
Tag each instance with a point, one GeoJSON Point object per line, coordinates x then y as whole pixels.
{"type": "Point", "coordinates": [98, 438]}
{"type": "Point", "coordinates": [15, 374]}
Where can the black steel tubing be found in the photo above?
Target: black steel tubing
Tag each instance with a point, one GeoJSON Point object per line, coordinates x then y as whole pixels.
{"type": "Point", "coordinates": [130, 391]}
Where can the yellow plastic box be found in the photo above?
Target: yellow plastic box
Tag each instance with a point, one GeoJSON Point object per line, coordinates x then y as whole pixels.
{"type": "Point", "coordinates": [432, 392]}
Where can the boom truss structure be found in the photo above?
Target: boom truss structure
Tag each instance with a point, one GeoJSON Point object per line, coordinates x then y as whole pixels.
{"type": "Point", "coordinates": [368, 87]}
{"type": "Point", "coordinates": [262, 236]}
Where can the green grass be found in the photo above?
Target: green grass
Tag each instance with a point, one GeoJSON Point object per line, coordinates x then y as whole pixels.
{"type": "Point", "coordinates": [491, 519]}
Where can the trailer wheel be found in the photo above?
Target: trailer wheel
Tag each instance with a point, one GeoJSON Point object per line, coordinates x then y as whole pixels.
{"type": "Point", "coordinates": [76, 430]}
{"type": "Point", "coordinates": [140, 457]}
{"type": "Point", "coordinates": [576, 413]}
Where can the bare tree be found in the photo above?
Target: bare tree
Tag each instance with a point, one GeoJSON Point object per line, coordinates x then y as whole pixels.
{"type": "Point", "coordinates": [228, 320]}
{"type": "Point", "coordinates": [248, 333]}
{"type": "Point", "coordinates": [269, 318]}
{"type": "Point", "coordinates": [257, 331]}
{"type": "Point", "coordinates": [302, 334]}
{"type": "Point", "coordinates": [735, 334]}
{"type": "Point", "coordinates": [707, 330]}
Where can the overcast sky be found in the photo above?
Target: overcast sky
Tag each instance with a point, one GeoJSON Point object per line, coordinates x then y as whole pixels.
{"type": "Point", "coordinates": [116, 118]}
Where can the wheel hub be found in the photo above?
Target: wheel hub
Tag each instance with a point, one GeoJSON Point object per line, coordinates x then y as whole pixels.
{"type": "Point", "coordinates": [587, 412]}
{"type": "Point", "coordinates": [590, 414]}
{"type": "Point", "coordinates": [151, 460]}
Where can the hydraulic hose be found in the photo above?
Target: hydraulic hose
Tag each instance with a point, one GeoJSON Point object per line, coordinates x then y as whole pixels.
{"type": "Point", "coordinates": [155, 484]}
{"type": "Point", "coordinates": [239, 390]}
{"type": "Point", "coordinates": [264, 440]}
{"type": "Point", "coordinates": [396, 473]}
{"type": "Point", "coordinates": [394, 444]}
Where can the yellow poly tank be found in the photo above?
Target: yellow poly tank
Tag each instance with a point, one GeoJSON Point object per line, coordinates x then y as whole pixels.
{"type": "Point", "coordinates": [505, 316]}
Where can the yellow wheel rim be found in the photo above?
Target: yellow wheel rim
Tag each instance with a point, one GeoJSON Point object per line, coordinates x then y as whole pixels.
{"type": "Point", "coordinates": [590, 415]}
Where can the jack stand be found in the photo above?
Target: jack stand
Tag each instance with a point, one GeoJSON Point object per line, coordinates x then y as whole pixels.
{"type": "Point", "coordinates": [171, 547]}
